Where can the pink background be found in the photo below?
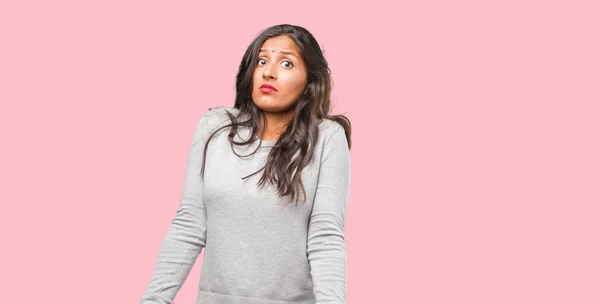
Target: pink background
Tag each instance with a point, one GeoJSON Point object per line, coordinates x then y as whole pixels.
{"type": "Point", "coordinates": [476, 142]}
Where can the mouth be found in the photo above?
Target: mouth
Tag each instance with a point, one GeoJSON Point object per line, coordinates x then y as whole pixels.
{"type": "Point", "coordinates": [265, 88]}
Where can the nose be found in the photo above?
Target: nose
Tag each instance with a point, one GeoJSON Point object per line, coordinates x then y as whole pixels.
{"type": "Point", "coordinates": [269, 72]}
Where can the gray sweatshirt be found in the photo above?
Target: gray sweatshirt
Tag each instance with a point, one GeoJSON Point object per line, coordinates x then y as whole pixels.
{"type": "Point", "coordinates": [258, 248]}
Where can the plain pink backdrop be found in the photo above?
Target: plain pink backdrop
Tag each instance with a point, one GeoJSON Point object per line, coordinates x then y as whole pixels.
{"type": "Point", "coordinates": [476, 142]}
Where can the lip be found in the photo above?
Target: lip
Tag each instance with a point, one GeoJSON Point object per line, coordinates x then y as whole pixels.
{"type": "Point", "coordinates": [265, 88]}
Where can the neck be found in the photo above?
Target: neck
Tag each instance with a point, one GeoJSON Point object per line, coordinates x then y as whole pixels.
{"type": "Point", "coordinates": [276, 124]}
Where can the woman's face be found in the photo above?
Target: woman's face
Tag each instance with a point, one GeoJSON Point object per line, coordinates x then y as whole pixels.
{"type": "Point", "coordinates": [279, 65]}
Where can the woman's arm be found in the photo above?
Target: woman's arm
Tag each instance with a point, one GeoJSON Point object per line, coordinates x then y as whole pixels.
{"type": "Point", "coordinates": [186, 235]}
{"type": "Point", "coordinates": [326, 246]}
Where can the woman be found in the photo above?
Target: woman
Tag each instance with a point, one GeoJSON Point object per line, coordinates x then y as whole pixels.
{"type": "Point", "coordinates": [266, 186]}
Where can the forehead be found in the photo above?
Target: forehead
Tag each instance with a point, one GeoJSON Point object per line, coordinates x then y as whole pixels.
{"type": "Point", "coordinates": [280, 43]}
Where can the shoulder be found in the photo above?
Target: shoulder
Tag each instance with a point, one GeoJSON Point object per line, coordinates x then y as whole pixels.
{"type": "Point", "coordinates": [329, 128]}
{"type": "Point", "coordinates": [335, 148]}
{"type": "Point", "coordinates": [214, 117]}
{"type": "Point", "coordinates": [219, 113]}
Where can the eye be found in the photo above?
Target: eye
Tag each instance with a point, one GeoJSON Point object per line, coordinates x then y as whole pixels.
{"type": "Point", "coordinates": [288, 65]}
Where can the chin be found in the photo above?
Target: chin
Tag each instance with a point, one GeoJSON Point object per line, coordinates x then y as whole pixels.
{"type": "Point", "coordinates": [273, 107]}
{"type": "Point", "coordinates": [269, 107]}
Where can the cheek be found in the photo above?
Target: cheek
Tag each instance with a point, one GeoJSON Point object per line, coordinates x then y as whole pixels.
{"type": "Point", "coordinates": [255, 80]}
{"type": "Point", "coordinates": [298, 85]}
{"type": "Point", "coordinates": [295, 82]}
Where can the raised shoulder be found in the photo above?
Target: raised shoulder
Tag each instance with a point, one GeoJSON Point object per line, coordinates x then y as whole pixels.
{"type": "Point", "coordinates": [329, 124]}
{"type": "Point", "coordinates": [220, 113]}
{"type": "Point", "coordinates": [216, 116]}
{"type": "Point", "coordinates": [328, 127]}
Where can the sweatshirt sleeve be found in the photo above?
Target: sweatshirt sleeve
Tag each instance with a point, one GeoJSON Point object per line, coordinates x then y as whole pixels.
{"type": "Point", "coordinates": [186, 235]}
{"type": "Point", "coordinates": [326, 248]}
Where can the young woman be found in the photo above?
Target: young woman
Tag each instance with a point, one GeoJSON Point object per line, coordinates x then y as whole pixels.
{"type": "Point", "coordinates": [266, 186]}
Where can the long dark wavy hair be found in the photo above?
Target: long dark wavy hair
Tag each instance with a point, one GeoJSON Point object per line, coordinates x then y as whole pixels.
{"type": "Point", "coordinates": [293, 150]}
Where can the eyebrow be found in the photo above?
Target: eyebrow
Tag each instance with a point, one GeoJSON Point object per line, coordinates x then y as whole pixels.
{"type": "Point", "coordinates": [284, 52]}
